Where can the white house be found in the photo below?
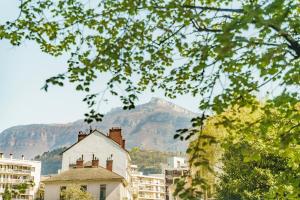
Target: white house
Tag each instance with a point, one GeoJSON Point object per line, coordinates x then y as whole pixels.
{"type": "Point", "coordinates": [101, 146]}
{"type": "Point", "coordinates": [107, 152]}
{"type": "Point", "coordinates": [101, 183]}
{"type": "Point", "coordinates": [14, 172]}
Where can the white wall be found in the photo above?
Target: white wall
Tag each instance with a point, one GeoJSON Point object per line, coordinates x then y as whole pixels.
{"type": "Point", "coordinates": [36, 174]}
{"type": "Point", "coordinates": [176, 162]}
{"type": "Point", "coordinates": [114, 190]}
{"type": "Point", "coordinates": [102, 147]}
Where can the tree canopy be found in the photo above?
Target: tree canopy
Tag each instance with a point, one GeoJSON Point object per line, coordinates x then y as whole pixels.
{"type": "Point", "coordinates": [225, 53]}
{"type": "Point", "coordinates": [222, 52]}
{"type": "Point", "coordinates": [247, 154]}
{"type": "Point", "coordinates": [74, 192]}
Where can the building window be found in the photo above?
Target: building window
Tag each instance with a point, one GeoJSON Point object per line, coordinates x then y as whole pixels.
{"type": "Point", "coordinates": [83, 188]}
{"type": "Point", "coordinates": [62, 189]}
{"type": "Point", "coordinates": [102, 192]}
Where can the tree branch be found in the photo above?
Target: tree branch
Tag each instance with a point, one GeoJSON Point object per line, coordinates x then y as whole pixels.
{"type": "Point", "coordinates": [293, 44]}
{"type": "Point", "coordinates": [231, 10]}
{"type": "Point", "coordinates": [174, 33]}
{"type": "Point", "coordinates": [214, 8]}
{"type": "Point", "coordinates": [200, 29]}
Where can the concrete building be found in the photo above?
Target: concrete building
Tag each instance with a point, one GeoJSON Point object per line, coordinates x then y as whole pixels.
{"type": "Point", "coordinates": [101, 183]}
{"type": "Point", "coordinates": [112, 158]}
{"type": "Point", "coordinates": [147, 187]}
{"type": "Point", "coordinates": [17, 173]}
{"type": "Point", "coordinates": [177, 162]}
{"type": "Point", "coordinates": [176, 168]}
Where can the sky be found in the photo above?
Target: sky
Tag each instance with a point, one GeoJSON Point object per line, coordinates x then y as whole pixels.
{"type": "Point", "coordinates": [23, 71]}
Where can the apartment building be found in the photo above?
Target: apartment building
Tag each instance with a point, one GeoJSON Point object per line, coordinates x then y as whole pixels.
{"type": "Point", "coordinates": [20, 177]}
{"type": "Point", "coordinates": [176, 168]}
{"type": "Point", "coordinates": [147, 187]}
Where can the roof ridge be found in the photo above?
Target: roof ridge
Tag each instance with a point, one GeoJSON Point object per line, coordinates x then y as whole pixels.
{"type": "Point", "coordinates": [83, 174]}
{"type": "Point", "coordinates": [95, 130]}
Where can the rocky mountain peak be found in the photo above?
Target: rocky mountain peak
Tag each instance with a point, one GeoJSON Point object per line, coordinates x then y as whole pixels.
{"type": "Point", "coordinates": [149, 126]}
{"type": "Point", "coordinates": [159, 102]}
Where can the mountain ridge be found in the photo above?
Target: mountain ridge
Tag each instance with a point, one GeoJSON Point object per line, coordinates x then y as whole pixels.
{"type": "Point", "coordinates": [148, 126]}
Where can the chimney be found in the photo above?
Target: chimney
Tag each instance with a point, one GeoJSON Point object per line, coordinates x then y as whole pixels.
{"type": "Point", "coordinates": [23, 157]}
{"type": "Point", "coordinates": [95, 162]}
{"type": "Point", "coordinates": [81, 136]}
{"type": "Point", "coordinates": [11, 156]}
{"type": "Point", "coordinates": [116, 135]}
{"type": "Point", "coordinates": [1, 155]}
{"type": "Point", "coordinates": [109, 164]}
{"type": "Point", "coordinates": [79, 162]}
{"type": "Point", "coordinates": [123, 144]}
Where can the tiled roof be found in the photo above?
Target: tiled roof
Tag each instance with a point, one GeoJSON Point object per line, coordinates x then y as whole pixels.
{"type": "Point", "coordinates": [99, 133]}
{"type": "Point", "coordinates": [85, 174]}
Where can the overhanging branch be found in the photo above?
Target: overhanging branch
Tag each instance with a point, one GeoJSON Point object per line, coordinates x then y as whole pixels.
{"type": "Point", "coordinates": [293, 44]}
{"type": "Point", "coordinates": [231, 10]}
{"type": "Point", "coordinates": [235, 10]}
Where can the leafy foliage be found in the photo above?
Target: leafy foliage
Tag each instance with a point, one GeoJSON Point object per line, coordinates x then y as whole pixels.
{"type": "Point", "coordinates": [223, 52]}
{"type": "Point", "coordinates": [248, 153]}
{"type": "Point", "coordinates": [150, 161]}
{"type": "Point", "coordinates": [269, 152]}
{"type": "Point", "coordinates": [74, 192]}
{"type": "Point", "coordinates": [7, 194]}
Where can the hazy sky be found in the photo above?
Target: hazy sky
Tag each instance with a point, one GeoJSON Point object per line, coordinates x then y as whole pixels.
{"type": "Point", "coordinates": [22, 74]}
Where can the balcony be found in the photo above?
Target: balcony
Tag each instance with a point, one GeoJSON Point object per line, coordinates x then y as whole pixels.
{"type": "Point", "coordinates": [14, 181]}
{"type": "Point", "coordinates": [151, 183]}
{"type": "Point", "coordinates": [14, 171]}
{"type": "Point", "coordinates": [151, 197]}
{"type": "Point", "coordinates": [152, 190]}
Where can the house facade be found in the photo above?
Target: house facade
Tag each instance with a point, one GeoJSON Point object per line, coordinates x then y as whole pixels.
{"type": "Point", "coordinates": [100, 182]}
{"type": "Point", "coordinates": [102, 146]}
{"type": "Point", "coordinates": [95, 154]}
{"type": "Point", "coordinates": [19, 176]}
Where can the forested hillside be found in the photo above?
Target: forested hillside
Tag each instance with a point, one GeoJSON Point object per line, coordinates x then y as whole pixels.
{"type": "Point", "coordinates": [148, 161]}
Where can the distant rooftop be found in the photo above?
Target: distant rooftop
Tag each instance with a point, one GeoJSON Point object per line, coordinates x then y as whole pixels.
{"type": "Point", "coordinates": [85, 174]}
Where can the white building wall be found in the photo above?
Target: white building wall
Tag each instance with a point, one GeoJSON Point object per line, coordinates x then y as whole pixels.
{"type": "Point", "coordinates": [114, 190]}
{"type": "Point", "coordinates": [102, 147]}
{"type": "Point", "coordinates": [176, 162]}
{"type": "Point", "coordinates": [35, 172]}
{"type": "Point", "coordinates": [148, 187]}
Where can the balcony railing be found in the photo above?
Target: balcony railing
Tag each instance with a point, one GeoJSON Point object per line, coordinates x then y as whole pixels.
{"type": "Point", "coordinates": [15, 171]}
{"type": "Point", "coordinates": [151, 183]}
{"type": "Point", "coordinates": [11, 180]}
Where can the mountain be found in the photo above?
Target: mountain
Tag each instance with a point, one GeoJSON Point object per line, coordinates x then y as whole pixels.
{"type": "Point", "coordinates": [148, 126]}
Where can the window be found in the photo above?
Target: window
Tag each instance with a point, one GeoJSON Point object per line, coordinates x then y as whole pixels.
{"type": "Point", "coordinates": [178, 164]}
{"type": "Point", "coordinates": [62, 189]}
{"type": "Point", "coordinates": [83, 188]}
{"type": "Point", "coordinates": [102, 192]}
